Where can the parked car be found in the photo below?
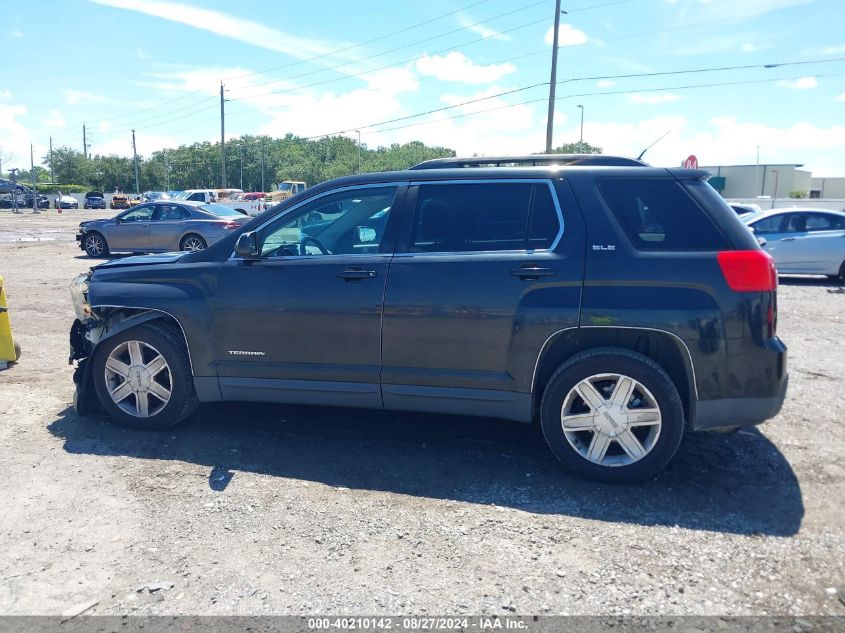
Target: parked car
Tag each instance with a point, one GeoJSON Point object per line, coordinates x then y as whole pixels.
{"type": "Point", "coordinates": [42, 201]}
{"type": "Point", "coordinates": [620, 306]}
{"type": "Point", "coordinates": [803, 241]}
{"type": "Point", "coordinates": [120, 201]}
{"type": "Point", "coordinates": [254, 195]}
{"type": "Point", "coordinates": [65, 202]}
{"type": "Point", "coordinates": [94, 200]}
{"type": "Point", "coordinates": [150, 196]}
{"type": "Point", "coordinates": [134, 198]}
{"type": "Point", "coordinates": [157, 227]}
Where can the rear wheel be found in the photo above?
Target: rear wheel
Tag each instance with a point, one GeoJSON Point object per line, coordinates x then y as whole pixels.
{"type": "Point", "coordinates": [612, 415]}
{"type": "Point", "coordinates": [95, 245]}
{"type": "Point", "coordinates": [192, 242]}
{"type": "Point", "coordinates": [143, 378]}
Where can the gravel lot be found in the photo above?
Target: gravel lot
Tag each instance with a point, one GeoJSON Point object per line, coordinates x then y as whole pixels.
{"type": "Point", "coordinates": [260, 509]}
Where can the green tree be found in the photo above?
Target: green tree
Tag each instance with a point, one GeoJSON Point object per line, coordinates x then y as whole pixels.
{"type": "Point", "coordinates": [577, 148]}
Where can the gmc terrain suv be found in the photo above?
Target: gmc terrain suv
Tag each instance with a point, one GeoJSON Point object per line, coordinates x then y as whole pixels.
{"type": "Point", "coordinates": [618, 304]}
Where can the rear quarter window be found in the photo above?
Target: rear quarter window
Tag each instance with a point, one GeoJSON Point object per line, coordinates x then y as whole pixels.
{"type": "Point", "coordinates": [659, 215]}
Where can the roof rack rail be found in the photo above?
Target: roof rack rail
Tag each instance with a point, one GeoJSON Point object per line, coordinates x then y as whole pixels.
{"type": "Point", "coordinates": [533, 160]}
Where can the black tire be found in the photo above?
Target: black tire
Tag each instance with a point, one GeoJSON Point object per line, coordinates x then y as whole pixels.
{"type": "Point", "coordinates": [193, 236]}
{"type": "Point", "coordinates": [91, 241]}
{"type": "Point", "coordinates": [628, 363]}
{"type": "Point", "coordinates": [183, 399]}
{"type": "Point", "coordinates": [841, 277]}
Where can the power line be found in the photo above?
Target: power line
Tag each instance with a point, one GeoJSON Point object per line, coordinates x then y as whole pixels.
{"type": "Point", "coordinates": [359, 44]}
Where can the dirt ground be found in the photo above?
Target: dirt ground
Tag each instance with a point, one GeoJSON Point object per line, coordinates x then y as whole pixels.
{"type": "Point", "coordinates": [272, 509]}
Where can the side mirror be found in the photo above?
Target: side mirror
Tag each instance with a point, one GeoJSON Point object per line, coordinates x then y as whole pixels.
{"type": "Point", "coordinates": [761, 240]}
{"type": "Point", "coordinates": [366, 234]}
{"type": "Point", "coordinates": [247, 245]}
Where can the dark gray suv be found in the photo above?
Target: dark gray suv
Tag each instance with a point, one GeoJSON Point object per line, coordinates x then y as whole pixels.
{"type": "Point", "coordinates": [617, 304]}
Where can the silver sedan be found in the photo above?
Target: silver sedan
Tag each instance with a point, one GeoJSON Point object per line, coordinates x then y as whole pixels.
{"type": "Point", "coordinates": [802, 241]}
{"type": "Point", "coordinates": [160, 226]}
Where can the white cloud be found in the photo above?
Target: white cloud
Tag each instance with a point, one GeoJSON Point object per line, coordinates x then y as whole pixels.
{"type": "Point", "coordinates": [146, 143]}
{"type": "Point", "coordinates": [82, 97]}
{"type": "Point", "coordinates": [748, 47]}
{"type": "Point", "coordinates": [55, 119]}
{"type": "Point", "coordinates": [104, 126]}
{"type": "Point", "coordinates": [228, 25]}
{"type": "Point", "coordinates": [142, 54]}
{"type": "Point", "coordinates": [5, 95]}
{"type": "Point", "coordinates": [833, 50]}
{"type": "Point", "coordinates": [568, 35]}
{"type": "Point", "coordinates": [458, 67]}
{"type": "Point", "coordinates": [605, 83]}
{"type": "Point", "coordinates": [654, 99]}
{"type": "Point", "coordinates": [802, 83]}
{"type": "Point", "coordinates": [484, 31]}
{"type": "Point", "coordinates": [17, 33]}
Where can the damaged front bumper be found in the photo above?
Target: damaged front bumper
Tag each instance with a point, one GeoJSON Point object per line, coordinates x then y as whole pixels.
{"type": "Point", "coordinates": [84, 399]}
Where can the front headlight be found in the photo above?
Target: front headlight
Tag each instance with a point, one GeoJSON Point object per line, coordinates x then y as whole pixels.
{"type": "Point", "coordinates": [79, 296]}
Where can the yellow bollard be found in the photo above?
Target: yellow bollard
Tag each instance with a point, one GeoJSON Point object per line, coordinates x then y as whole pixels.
{"type": "Point", "coordinates": [9, 351]}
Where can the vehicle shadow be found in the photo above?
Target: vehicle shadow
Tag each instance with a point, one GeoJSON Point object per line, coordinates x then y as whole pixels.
{"type": "Point", "coordinates": [735, 484]}
{"type": "Point", "coordinates": [810, 280]}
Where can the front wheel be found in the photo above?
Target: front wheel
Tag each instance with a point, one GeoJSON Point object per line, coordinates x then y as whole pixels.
{"type": "Point", "coordinates": [192, 243]}
{"type": "Point", "coordinates": [95, 245]}
{"type": "Point", "coordinates": [143, 377]}
{"type": "Point", "coordinates": [612, 415]}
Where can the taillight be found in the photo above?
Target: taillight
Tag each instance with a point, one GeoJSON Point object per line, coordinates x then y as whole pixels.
{"type": "Point", "coordinates": [229, 226]}
{"type": "Point", "coordinates": [748, 271]}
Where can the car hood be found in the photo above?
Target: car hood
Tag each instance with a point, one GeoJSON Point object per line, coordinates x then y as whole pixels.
{"type": "Point", "coordinates": [66, 199]}
{"type": "Point", "coordinates": [143, 260]}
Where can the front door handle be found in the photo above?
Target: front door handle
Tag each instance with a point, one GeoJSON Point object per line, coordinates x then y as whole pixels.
{"type": "Point", "coordinates": [356, 274]}
{"type": "Point", "coordinates": [532, 271]}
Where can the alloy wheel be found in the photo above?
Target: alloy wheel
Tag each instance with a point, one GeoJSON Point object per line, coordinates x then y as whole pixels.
{"type": "Point", "coordinates": [193, 244]}
{"type": "Point", "coordinates": [94, 245]}
{"type": "Point", "coordinates": [138, 379]}
{"type": "Point", "coordinates": [611, 419]}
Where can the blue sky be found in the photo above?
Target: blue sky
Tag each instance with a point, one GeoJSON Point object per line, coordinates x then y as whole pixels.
{"type": "Point", "coordinates": [330, 66]}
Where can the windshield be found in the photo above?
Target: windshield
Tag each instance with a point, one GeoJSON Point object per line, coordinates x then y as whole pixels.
{"type": "Point", "coordinates": [219, 209]}
{"type": "Point", "coordinates": [285, 186]}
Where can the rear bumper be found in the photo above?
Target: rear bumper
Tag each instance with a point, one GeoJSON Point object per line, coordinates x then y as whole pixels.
{"type": "Point", "coordinates": [733, 412]}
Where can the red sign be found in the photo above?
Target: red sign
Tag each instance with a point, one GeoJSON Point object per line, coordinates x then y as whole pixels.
{"type": "Point", "coordinates": [691, 162]}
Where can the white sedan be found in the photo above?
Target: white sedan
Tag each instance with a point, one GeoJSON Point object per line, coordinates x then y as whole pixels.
{"type": "Point", "coordinates": [802, 241]}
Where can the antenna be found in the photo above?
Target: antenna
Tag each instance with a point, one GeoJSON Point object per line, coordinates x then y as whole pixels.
{"type": "Point", "coordinates": [668, 132]}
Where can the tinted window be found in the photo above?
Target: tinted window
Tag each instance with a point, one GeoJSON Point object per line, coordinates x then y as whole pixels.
{"type": "Point", "coordinates": [483, 217]}
{"type": "Point", "coordinates": [545, 223]}
{"type": "Point", "coordinates": [824, 222]}
{"type": "Point", "coordinates": [768, 225]}
{"type": "Point", "coordinates": [171, 212]}
{"type": "Point", "coordinates": [658, 214]}
{"type": "Point", "coordinates": [138, 214]}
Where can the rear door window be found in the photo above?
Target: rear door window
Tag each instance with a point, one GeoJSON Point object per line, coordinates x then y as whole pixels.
{"type": "Point", "coordinates": [495, 216]}
{"type": "Point", "coordinates": [824, 222]}
{"type": "Point", "coordinates": [658, 214]}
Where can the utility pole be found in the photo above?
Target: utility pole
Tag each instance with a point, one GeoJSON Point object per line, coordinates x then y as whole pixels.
{"type": "Point", "coordinates": [262, 166]}
{"type": "Point", "coordinates": [166, 171]}
{"type": "Point", "coordinates": [14, 174]}
{"type": "Point", "coordinates": [582, 127]}
{"type": "Point", "coordinates": [32, 173]}
{"type": "Point", "coordinates": [241, 162]}
{"type": "Point", "coordinates": [552, 82]}
{"type": "Point", "coordinates": [135, 159]}
{"type": "Point", "coordinates": [222, 140]}
{"type": "Point", "coordinates": [84, 142]}
{"type": "Point", "coordinates": [359, 151]}
{"type": "Point", "coordinates": [52, 175]}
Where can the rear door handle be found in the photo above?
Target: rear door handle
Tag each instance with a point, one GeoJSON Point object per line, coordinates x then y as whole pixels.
{"type": "Point", "coordinates": [356, 274]}
{"type": "Point", "coordinates": [532, 271]}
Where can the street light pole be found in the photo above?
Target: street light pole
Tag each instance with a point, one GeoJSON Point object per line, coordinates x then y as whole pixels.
{"type": "Point", "coordinates": [581, 142]}
{"type": "Point", "coordinates": [552, 82]}
{"type": "Point", "coordinates": [757, 171]}
{"type": "Point", "coordinates": [775, 194]}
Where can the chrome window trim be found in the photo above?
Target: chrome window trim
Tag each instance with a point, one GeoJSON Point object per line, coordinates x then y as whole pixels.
{"type": "Point", "coordinates": [487, 181]}
{"type": "Point", "coordinates": [374, 185]}
{"type": "Point", "coordinates": [619, 327]}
